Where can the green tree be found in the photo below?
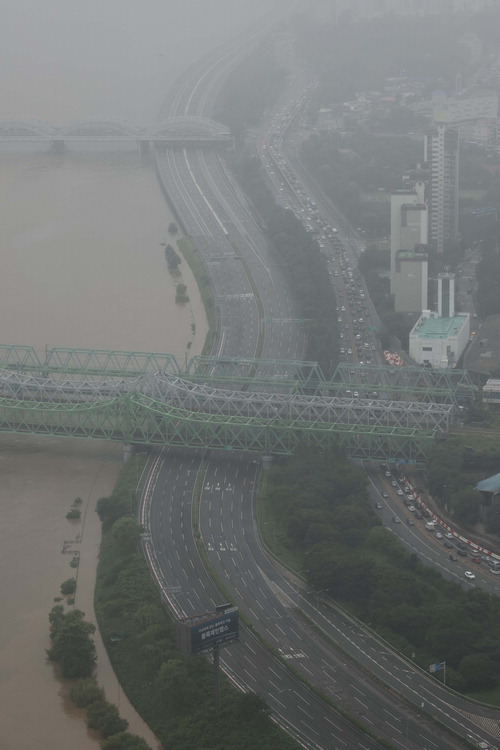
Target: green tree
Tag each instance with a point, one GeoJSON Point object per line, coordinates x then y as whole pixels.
{"type": "Point", "coordinates": [105, 718]}
{"type": "Point", "coordinates": [178, 684]}
{"type": "Point", "coordinates": [87, 691]}
{"type": "Point", "coordinates": [493, 523]}
{"type": "Point", "coordinates": [479, 671]}
{"type": "Point", "coordinates": [126, 533]}
{"type": "Point", "coordinates": [124, 741]}
{"type": "Point", "coordinates": [251, 706]}
{"type": "Point", "coordinates": [465, 506]}
{"type": "Point", "coordinates": [68, 586]}
{"type": "Point", "coordinates": [110, 509]}
{"type": "Point", "coordinates": [71, 643]}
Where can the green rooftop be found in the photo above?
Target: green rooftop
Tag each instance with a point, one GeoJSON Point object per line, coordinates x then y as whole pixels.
{"type": "Point", "coordinates": [439, 328]}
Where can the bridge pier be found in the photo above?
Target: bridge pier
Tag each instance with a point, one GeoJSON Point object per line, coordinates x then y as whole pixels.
{"type": "Point", "coordinates": [144, 148]}
{"type": "Point", "coordinates": [128, 452]}
{"type": "Point", "coordinates": [57, 146]}
{"type": "Point", "coordinates": [267, 462]}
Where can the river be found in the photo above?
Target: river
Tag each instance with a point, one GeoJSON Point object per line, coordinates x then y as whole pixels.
{"type": "Point", "coordinates": [81, 265]}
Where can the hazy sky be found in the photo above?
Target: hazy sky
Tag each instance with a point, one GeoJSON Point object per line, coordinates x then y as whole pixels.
{"type": "Point", "coordinates": [64, 60]}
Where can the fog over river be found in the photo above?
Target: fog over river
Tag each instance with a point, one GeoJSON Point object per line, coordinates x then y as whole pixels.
{"type": "Point", "coordinates": [81, 265]}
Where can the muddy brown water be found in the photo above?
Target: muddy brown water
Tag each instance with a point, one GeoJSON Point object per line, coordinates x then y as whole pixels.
{"type": "Point", "coordinates": [111, 290]}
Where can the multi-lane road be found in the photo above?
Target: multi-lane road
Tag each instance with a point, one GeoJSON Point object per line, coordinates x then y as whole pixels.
{"type": "Point", "coordinates": [198, 509]}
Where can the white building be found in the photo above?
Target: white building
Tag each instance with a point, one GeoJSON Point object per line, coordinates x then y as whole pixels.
{"type": "Point", "coordinates": [411, 280]}
{"type": "Point", "coordinates": [439, 339]}
{"type": "Point", "coordinates": [442, 158]}
{"type": "Point", "coordinates": [409, 227]}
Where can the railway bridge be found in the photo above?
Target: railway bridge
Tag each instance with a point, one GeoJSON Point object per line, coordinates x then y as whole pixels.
{"type": "Point", "coordinates": [185, 131]}
{"type": "Point", "coordinates": [262, 406]}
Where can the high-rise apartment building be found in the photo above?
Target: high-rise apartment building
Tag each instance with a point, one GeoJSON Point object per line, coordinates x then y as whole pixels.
{"type": "Point", "coordinates": [441, 155]}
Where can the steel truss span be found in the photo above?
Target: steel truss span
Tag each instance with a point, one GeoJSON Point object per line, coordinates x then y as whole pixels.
{"type": "Point", "coordinates": [166, 409]}
{"type": "Point", "coordinates": [111, 128]}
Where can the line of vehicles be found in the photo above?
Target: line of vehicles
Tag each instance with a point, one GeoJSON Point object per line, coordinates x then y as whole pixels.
{"type": "Point", "coordinates": [457, 547]}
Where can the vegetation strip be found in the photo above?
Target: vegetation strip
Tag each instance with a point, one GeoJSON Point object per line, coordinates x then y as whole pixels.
{"type": "Point", "coordinates": [172, 692]}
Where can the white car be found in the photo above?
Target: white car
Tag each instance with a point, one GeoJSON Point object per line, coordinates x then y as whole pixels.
{"type": "Point", "coordinates": [448, 535]}
{"type": "Point", "coordinates": [469, 575]}
{"type": "Point", "coordinates": [412, 509]}
{"type": "Point", "coordinates": [439, 535]}
{"type": "Point", "coordinates": [399, 492]}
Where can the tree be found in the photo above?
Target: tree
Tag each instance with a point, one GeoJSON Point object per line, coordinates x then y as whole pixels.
{"type": "Point", "coordinates": [72, 646]}
{"type": "Point", "coordinates": [479, 671]}
{"type": "Point", "coordinates": [465, 506]}
{"type": "Point", "coordinates": [87, 691]}
{"type": "Point", "coordinates": [181, 296]}
{"type": "Point", "coordinates": [109, 509]}
{"type": "Point", "coordinates": [68, 586]}
{"type": "Point", "coordinates": [124, 741]}
{"type": "Point", "coordinates": [251, 706]}
{"type": "Point", "coordinates": [493, 525]}
{"type": "Point", "coordinates": [126, 533]}
{"type": "Point", "coordinates": [106, 718]}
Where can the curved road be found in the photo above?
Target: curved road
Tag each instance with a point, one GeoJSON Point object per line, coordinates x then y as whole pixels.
{"type": "Point", "coordinates": [212, 210]}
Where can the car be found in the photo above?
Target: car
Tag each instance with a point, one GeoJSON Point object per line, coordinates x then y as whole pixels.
{"type": "Point", "coordinates": [439, 535]}
{"type": "Point", "coordinates": [475, 559]}
{"type": "Point", "coordinates": [462, 552]}
{"type": "Point", "coordinates": [394, 483]}
{"type": "Point", "coordinates": [412, 509]}
{"type": "Point", "coordinates": [379, 505]}
{"type": "Point", "coordinates": [388, 473]}
{"type": "Point", "coordinates": [400, 492]}
{"type": "Point", "coordinates": [448, 544]}
{"type": "Point", "coordinates": [410, 522]}
{"type": "Point", "coordinates": [384, 494]}
{"type": "Point", "coordinates": [395, 519]}
{"type": "Point", "coordinates": [453, 558]}
{"type": "Point", "coordinates": [448, 535]}
{"type": "Point", "coordinates": [469, 575]}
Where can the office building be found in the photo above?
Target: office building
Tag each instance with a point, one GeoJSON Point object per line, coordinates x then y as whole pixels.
{"type": "Point", "coordinates": [409, 249]}
{"type": "Point", "coordinates": [411, 280]}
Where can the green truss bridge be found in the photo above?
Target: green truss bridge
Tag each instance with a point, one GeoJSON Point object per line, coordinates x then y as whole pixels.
{"type": "Point", "coordinates": [263, 406]}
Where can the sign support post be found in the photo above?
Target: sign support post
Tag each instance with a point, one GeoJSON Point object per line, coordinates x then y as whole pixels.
{"type": "Point", "coordinates": [217, 679]}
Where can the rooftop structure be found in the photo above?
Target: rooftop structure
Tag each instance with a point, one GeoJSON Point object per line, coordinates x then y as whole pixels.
{"type": "Point", "coordinates": [490, 485]}
{"type": "Point", "coordinates": [439, 342]}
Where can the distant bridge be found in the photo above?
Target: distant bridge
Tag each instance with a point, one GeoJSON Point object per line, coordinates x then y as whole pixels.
{"type": "Point", "coordinates": [221, 403]}
{"type": "Point", "coordinates": [185, 130]}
